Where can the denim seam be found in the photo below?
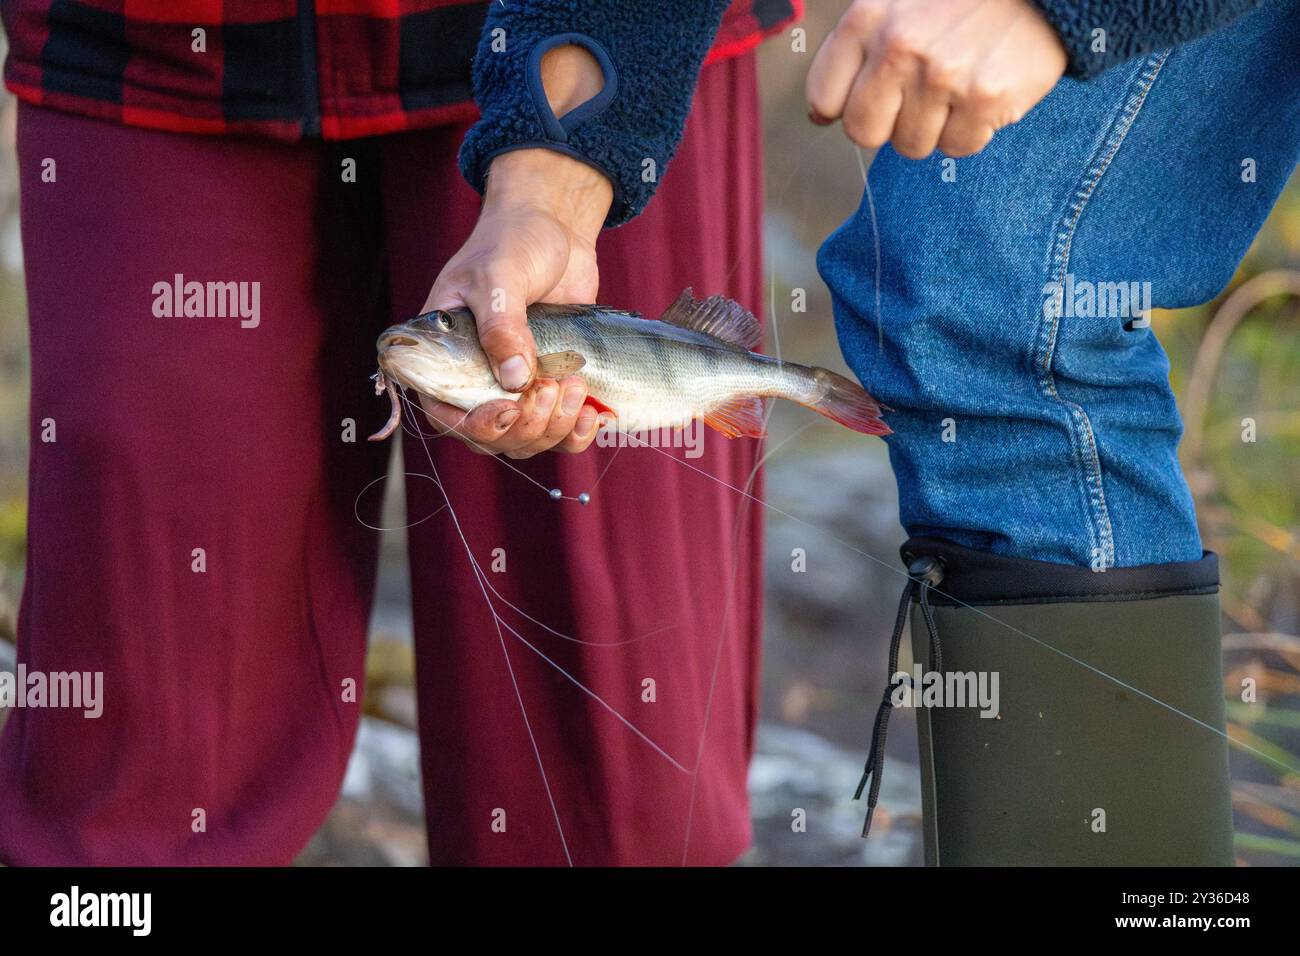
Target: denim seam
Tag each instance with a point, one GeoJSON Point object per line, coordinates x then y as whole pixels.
{"type": "Point", "coordinates": [1100, 531]}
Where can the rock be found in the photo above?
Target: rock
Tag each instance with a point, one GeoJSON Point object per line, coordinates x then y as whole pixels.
{"type": "Point", "coordinates": [847, 526]}
{"type": "Point", "coordinates": [379, 817]}
{"type": "Point", "coordinates": [385, 766]}
{"type": "Point", "coordinates": [828, 625]}
{"type": "Point", "coordinates": [797, 770]}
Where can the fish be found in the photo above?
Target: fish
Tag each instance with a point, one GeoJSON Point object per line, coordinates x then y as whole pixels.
{"type": "Point", "coordinates": [696, 361]}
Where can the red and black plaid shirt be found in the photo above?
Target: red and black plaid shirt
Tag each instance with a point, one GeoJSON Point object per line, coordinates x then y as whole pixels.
{"type": "Point", "coordinates": [282, 68]}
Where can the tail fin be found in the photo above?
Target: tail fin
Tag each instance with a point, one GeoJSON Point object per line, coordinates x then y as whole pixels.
{"type": "Point", "coordinates": [848, 403]}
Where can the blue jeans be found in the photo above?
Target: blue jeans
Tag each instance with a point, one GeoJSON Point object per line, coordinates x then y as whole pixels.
{"type": "Point", "coordinates": [1032, 410]}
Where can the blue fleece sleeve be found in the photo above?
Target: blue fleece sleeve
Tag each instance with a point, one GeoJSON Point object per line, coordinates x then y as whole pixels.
{"type": "Point", "coordinates": [1132, 27]}
{"type": "Point", "coordinates": [650, 52]}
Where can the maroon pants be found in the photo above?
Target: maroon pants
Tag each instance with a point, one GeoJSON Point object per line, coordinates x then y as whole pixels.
{"type": "Point", "coordinates": [192, 532]}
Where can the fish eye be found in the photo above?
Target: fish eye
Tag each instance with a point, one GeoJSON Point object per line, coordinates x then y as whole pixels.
{"type": "Point", "coordinates": [445, 322]}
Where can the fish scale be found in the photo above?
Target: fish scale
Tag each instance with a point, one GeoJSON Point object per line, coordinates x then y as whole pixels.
{"type": "Point", "coordinates": [651, 379]}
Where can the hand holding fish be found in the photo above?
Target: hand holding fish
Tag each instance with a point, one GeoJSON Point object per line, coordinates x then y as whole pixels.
{"type": "Point", "coordinates": [694, 362]}
{"type": "Point", "coordinates": [535, 240]}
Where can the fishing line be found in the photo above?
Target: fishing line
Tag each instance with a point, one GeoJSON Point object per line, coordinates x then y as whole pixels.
{"type": "Point", "coordinates": [1101, 673]}
{"type": "Point", "coordinates": [480, 577]}
{"type": "Point", "coordinates": [456, 428]}
{"type": "Point", "coordinates": [818, 135]}
{"type": "Point", "coordinates": [356, 502]}
{"type": "Point", "coordinates": [717, 665]}
{"type": "Point", "coordinates": [546, 627]}
{"type": "Point", "coordinates": [767, 414]}
{"type": "Point", "coordinates": [871, 207]}
{"type": "Point", "coordinates": [596, 697]}
{"type": "Point", "coordinates": [880, 341]}
{"type": "Point", "coordinates": [577, 640]}
{"type": "Point", "coordinates": [776, 335]}
{"type": "Point", "coordinates": [499, 623]}
{"type": "Point", "coordinates": [599, 478]}
{"type": "Point", "coordinates": [495, 592]}
{"type": "Point", "coordinates": [523, 711]}
{"type": "Point", "coordinates": [567, 637]}
{"type": "Point", "coordinates": [735, 566]}
{"type": "Point", "coordinates": [419, 432]}
{"type": "Point", "coordinates": [875, 240]}
{"type": "Point", "coordinates": [605, 470]}
{"type": "Point", "coordinates": [481, 448]}
{"type": "Point", "coordinates": [410, 474]}
{"type": "Point", "coordinates": [486, 586]}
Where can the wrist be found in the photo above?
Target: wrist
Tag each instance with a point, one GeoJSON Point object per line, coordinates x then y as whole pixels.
{"type": "Point", "coordinates": [572, 191]}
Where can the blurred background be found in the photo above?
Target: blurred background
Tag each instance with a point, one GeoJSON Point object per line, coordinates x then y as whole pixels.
{"type": "Point", "coordinates": [1235, 358]}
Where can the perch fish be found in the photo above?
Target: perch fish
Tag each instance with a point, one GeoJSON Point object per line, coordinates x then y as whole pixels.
{"type": "Point", "coordinates": [694, 361]}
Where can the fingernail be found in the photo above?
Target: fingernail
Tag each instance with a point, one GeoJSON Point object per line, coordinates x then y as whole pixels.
{"type": "Point", "coordinates": [507, 418]}
{"type": "Point", "coordinates": [572, 400]}
{"type": "Point", "coordinates": [818, 120]}
{"type": "Point", "coordinates": [586, 424]}
{"type": "Point", "coordinates": [514, 373]}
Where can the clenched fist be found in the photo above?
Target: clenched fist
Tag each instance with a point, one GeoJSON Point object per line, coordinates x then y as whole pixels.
{"type": "Point", "coordinates": [927, 74]}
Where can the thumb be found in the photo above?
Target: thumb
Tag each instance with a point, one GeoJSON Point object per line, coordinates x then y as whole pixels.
{"type": "Point", "coordinates": [502, 319]}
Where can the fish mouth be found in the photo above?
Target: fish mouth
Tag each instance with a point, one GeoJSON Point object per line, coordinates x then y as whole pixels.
{"type": "Point", "coordinates": [397, 339]}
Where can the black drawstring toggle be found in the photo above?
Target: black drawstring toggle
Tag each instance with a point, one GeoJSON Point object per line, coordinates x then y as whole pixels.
{"type": "Point", "coordinates": [923, 574]}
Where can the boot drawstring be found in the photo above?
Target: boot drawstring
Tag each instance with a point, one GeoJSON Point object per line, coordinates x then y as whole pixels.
{"type": "Point", "coordinates": [923, 574]}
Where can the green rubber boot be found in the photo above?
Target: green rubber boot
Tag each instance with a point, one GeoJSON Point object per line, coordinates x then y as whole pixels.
{"type": "Point", "coordinates": [1105, 745]}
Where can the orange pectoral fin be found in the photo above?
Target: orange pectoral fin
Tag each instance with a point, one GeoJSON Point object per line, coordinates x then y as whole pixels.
{"type": "Point", "coordinates": [741, 416]}
{"type": "Point", "coordinates": [599, 406]}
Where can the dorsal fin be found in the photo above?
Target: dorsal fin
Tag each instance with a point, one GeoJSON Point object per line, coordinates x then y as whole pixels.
{"type": "Point", "coordinates": [717, 316]}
